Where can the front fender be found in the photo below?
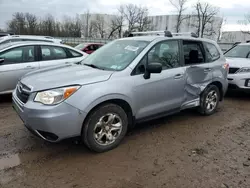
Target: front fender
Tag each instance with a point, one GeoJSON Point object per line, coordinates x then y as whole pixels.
{"type": "Point", "coordinates": [91, 95]}
{"type": "Point", "coordinates": [108, 97]}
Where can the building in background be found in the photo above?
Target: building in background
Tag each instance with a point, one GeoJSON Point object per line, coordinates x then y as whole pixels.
{"type": "Point", "coordinates": [99, 25]}
{"type": "Point", "coordinates": [234, 36]}
{"type": "Point", "coordinates": [190, 24]}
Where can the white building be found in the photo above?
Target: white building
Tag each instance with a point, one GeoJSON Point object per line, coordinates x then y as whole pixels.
{"type": "Point", "coordinates": [234, 36]}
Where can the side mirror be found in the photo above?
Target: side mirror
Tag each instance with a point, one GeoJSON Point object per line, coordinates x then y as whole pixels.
{"type": "Point", "coordinates": [1, 61]}
{"type": "Point", "coordinates": [152, 68]}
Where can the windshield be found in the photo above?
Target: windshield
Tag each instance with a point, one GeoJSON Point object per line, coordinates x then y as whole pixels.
{"type": "Point", "coordinates": [239, 51]}
{"type": "Point", "coordinates": [116, 55]}
{"type": "Point", "coordinates": [80, 46]}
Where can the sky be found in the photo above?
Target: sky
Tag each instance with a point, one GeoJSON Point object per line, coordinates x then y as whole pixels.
{"type": "Point", "coordinates": [232, 10]}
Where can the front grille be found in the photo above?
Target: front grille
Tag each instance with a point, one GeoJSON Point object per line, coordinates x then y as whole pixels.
{"type": "Point", "coordinates": [22, 92]}
{"type": "Point", "coordinates": [233, 70]}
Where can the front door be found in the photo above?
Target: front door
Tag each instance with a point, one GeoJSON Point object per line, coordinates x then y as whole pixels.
{"type": "Point", "coordinates": [17, 62]}
{"type": "Point", "coordinates": [198, 71]}
{"type": "Point", "coordinates": [161, 92]}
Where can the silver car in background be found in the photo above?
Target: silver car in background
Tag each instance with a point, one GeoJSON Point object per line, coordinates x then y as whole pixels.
{"type": "Point", "coordinates": [27, 38]}
{"type": "Point", "coordinates": [19, 58]}
{"type": "Point", "coordinates": [238, 58]}
{"type": "Point", "coordinates": [126, 81]}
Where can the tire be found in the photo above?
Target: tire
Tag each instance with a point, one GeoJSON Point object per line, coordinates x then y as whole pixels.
{"type": "Point", "coordinates": [92, 129]}
{"type": "Point", "coordinates": [203, 108]}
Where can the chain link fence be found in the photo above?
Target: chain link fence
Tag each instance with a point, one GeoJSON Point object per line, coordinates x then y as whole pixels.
{"type": "Point", "coordinates": [75, 41]}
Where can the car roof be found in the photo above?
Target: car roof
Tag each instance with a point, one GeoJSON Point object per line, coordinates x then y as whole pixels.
{"type": "Point", "coordinates": [25, 43]}
{"type": "Point", "coordinates": [29, 37]}
{"type": "Point", "coordinates": [151, 38]}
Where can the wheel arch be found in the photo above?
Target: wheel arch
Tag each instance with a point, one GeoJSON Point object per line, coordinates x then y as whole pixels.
{"type": "Point", "coordinates": [120, 101]}
{"type": "Point", "coordinates": [220, 87]}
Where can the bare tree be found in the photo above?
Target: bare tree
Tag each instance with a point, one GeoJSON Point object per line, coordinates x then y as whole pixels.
{"type": "Point", "coordinates": [180, 6]}
{"type": "Point", "coordinates": [92, 29]}
{"type": "Point", "coordinates": [143, 21]}
{"type": "Point", "coordinates": [31, 23]}
{"type": "Point", "coordinates": [48, 25]}
{"type": "Point", "coordinates": [220, 26]}
{"type": "Point", "coordinates": [205, 18]}
{"type": "Point", "coordinates": [131, 14]}
{"type": "Point", "coordinates": [245, 22]}
{"type": "Point", "coordinates": [18, 23]}
{"type": "Point", "coordinates": [117, 23]}
{"type": "Point", "coordinates": [99, 25]}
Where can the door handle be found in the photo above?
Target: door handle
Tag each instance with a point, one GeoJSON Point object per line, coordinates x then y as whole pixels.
{"type": "Point", "coordinates": [207, 70]}
{"type": "Point", "coordinates": [178, 76]}
{"type": "Point", "coordinates": [30, 67]}
{"type": "Point", "coordinates": [67, 63]}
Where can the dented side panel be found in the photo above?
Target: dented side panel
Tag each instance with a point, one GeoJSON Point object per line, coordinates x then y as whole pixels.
{"type": "Point", "coordinates": [197, 79]}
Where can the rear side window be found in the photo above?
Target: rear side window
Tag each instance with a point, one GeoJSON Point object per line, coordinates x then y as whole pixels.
{"type": "Point", "coordinates": [212, 52]}
{"type": "Point", "coordinates": [52, 53]}
{"type": "Point", "coordinates": [193, 52]}
{"type": "Point", "coordinates": [74, 53]}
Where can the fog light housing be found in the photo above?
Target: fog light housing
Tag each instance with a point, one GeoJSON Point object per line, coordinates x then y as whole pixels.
{"type": "Point", "coordinates": [247, 83]}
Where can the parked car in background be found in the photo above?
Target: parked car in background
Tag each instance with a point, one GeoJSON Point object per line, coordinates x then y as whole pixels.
{"type": "Point", "coordinates": [126, 81]}
{"type": "Point", "coordinates": [19, 58]}
{"type": "Point", "coordinates": [238, 58]}
{"type": "Point", "coordinates": [3, 34]}
{"type": "Point", "coordinates": [23, 38]}
{"type": "Point", "coordinates": [89, 47]}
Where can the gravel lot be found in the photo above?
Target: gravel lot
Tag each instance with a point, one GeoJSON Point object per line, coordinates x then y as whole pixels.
{"type": "Point", "coordinates": [184, 150]}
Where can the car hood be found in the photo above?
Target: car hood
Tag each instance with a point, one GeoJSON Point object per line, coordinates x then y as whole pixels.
{"type": "Point", "coordinates": [64, 75]}
{"type": "Point", "coordinates": [238, 62]}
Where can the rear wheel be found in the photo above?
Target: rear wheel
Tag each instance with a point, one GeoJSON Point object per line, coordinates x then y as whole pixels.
{"type": "Point", "coordinates": [105, 128]}
{"type": "Point", "coordinates": [209, 100]}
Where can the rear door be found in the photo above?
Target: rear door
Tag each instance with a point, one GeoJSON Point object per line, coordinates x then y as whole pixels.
{"type": "Point", "coordinates": [198, 69]}
{"type": "Point", "coordinates": [17, 62]}
{"type": "Point", "coordinates": [55, 55]}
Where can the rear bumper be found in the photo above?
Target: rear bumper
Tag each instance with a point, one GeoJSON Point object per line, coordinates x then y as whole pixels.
{"type": "Point", "coordinates": [51, 123]}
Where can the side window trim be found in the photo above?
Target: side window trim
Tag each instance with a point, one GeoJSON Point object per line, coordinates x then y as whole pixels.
{"type": "Point", "coordinates": [51, 46]}
{"type": "Point", "coordinates": [133, 73]}
{"type": "Point", "coordinates": [68, 54]}
{"type": "Point", "coordinates": [204, 44]}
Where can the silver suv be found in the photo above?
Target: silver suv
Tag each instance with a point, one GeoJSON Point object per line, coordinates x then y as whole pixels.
{"type": "Point", "coordinates": [126, 81]}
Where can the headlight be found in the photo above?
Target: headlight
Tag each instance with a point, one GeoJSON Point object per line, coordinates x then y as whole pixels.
{"type": "Point", "coordinates": [55, 96]}
{"type": "Point", "coordinates": [244, 70]}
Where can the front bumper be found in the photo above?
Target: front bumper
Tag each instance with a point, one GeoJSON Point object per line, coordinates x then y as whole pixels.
{"type": "Point", "coordinates": [239, 81]}
{"type": "Point", "coordinates": [51, 123]}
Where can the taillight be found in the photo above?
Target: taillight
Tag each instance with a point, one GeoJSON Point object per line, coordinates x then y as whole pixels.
{"type": "Point", "coordinates": [226, 66]}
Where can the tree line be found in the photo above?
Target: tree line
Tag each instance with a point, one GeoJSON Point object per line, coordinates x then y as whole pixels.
{"type": "Point", "coordinates": [133, 17]}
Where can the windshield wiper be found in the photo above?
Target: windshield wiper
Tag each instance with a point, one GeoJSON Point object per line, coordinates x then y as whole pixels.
{"type": "Point", "coordinates": [93, 66]}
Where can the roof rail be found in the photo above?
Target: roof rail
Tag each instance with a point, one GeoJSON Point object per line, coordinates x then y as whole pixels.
{"type": "Point", "coordinates": [186, 33]}
{"type": "Point", "coordinates": [161, 33]}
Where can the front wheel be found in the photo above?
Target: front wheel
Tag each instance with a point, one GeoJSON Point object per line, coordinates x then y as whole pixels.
{"type": "Point", "coordinates": [209, 100]}
{"type": "Point", "coordinates": [105, 128]}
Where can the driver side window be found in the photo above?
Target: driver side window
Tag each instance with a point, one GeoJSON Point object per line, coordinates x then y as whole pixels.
{"type": "Point", "coordinates": [166, 53]}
